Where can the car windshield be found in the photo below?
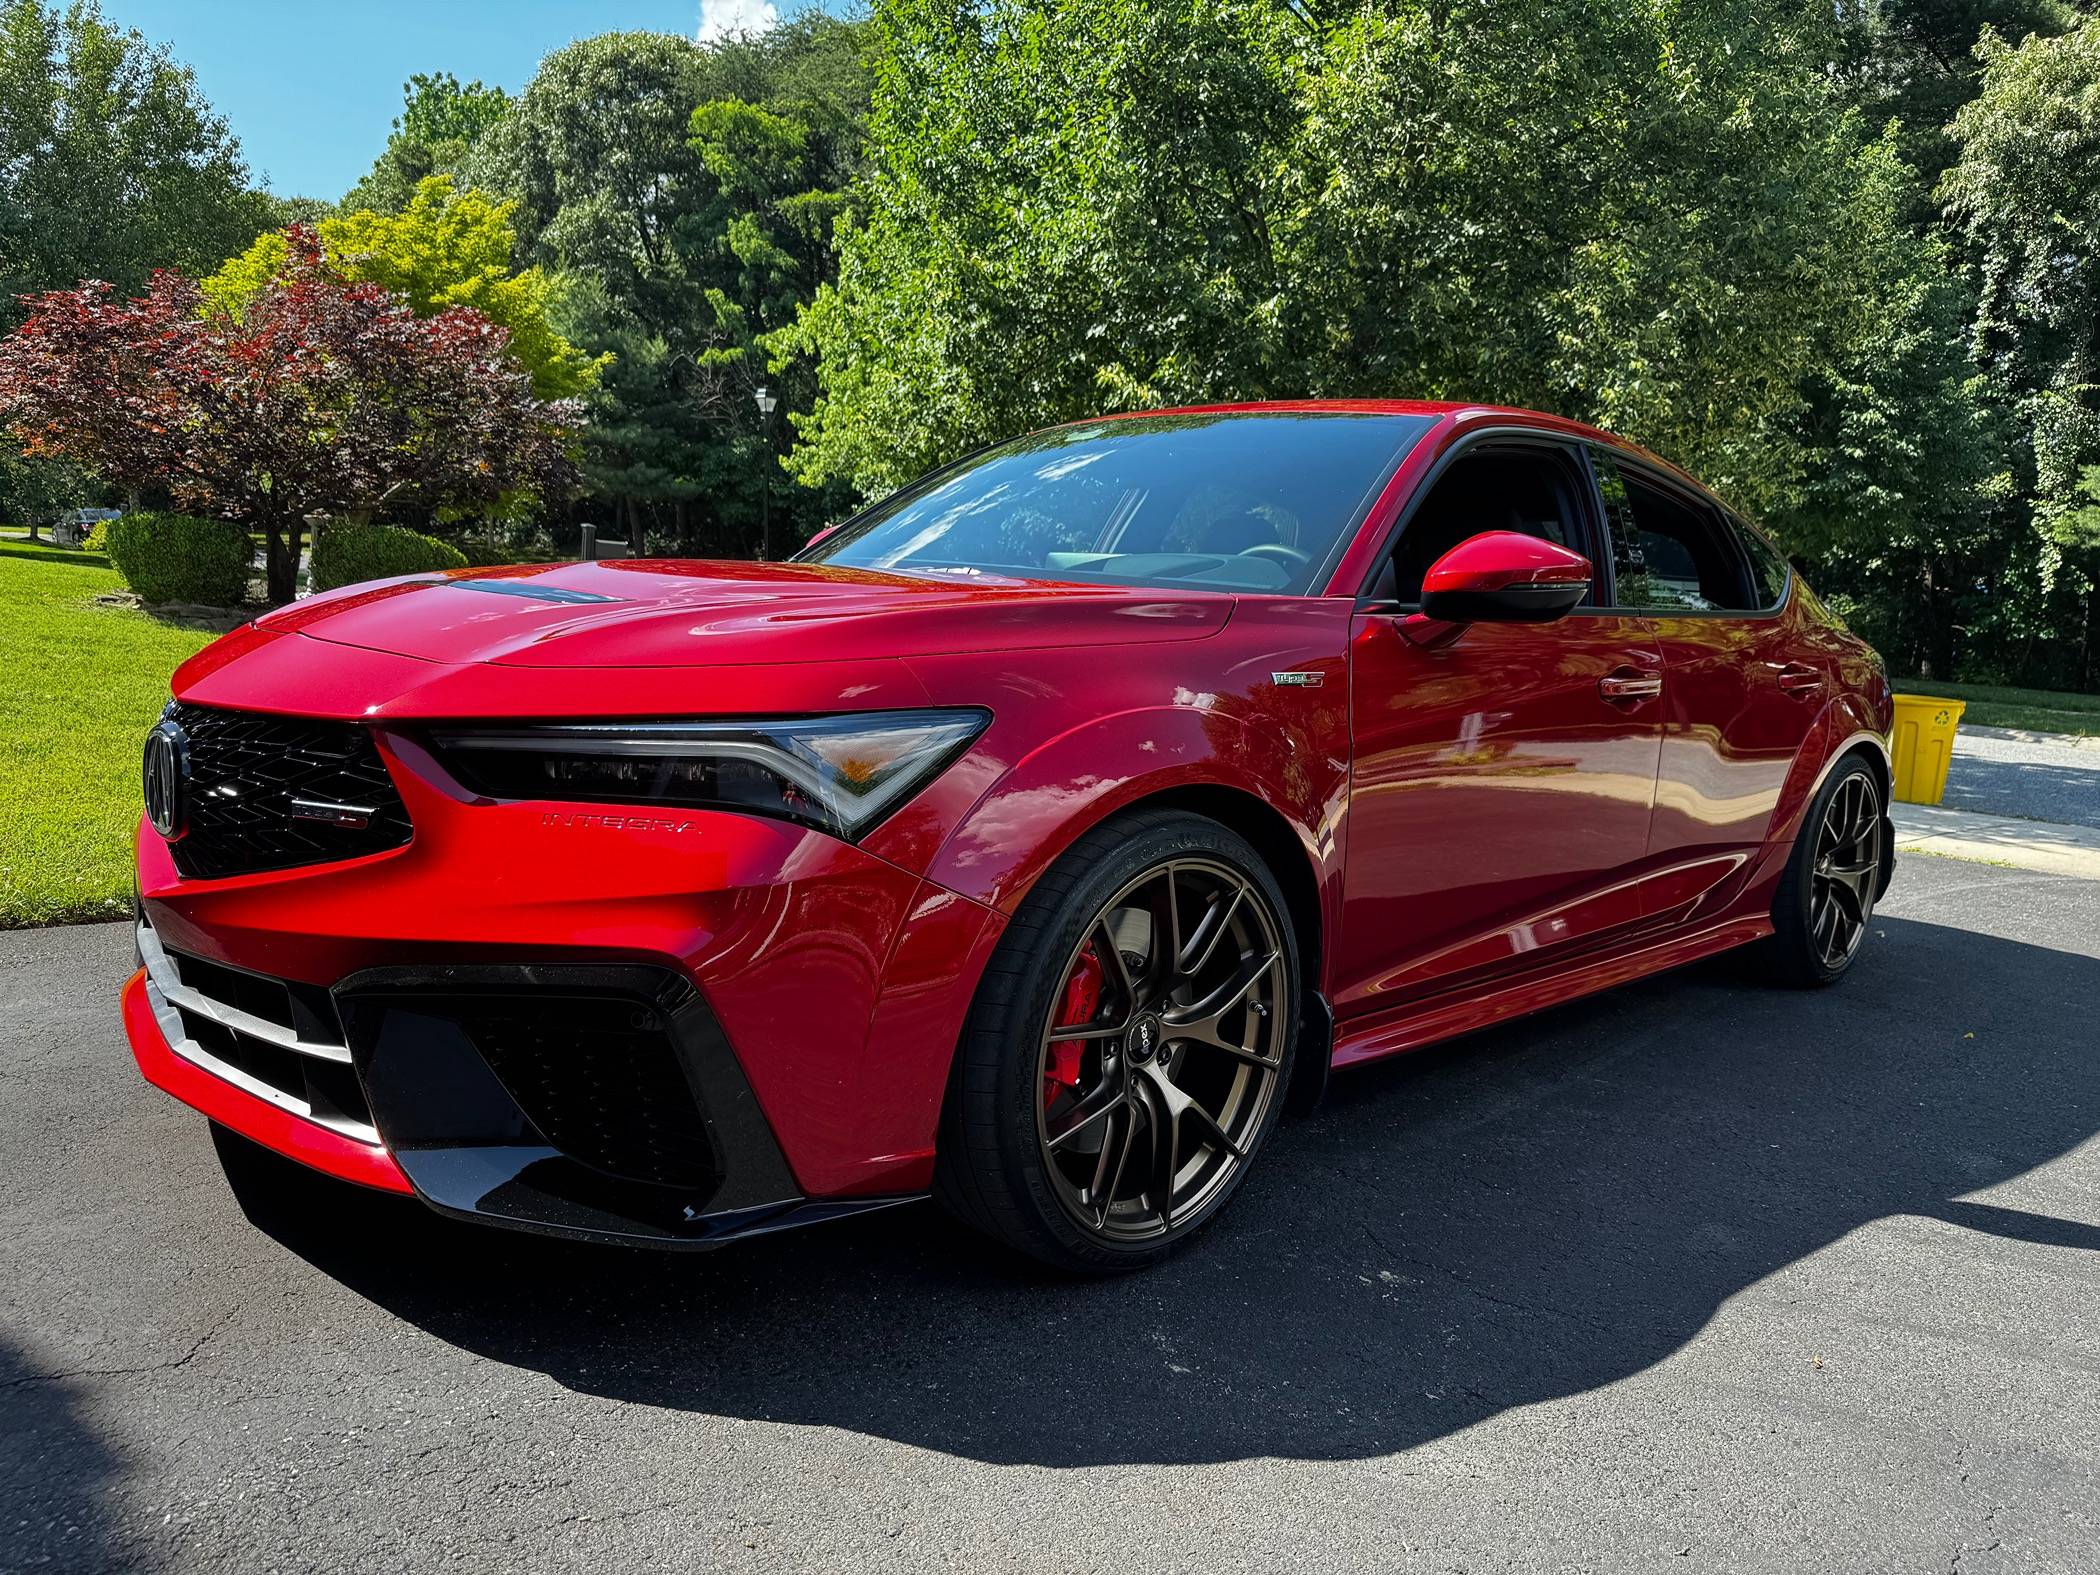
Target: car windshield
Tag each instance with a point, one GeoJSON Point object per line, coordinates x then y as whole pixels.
{"type": "Point", "coordinates": [1253, 501]}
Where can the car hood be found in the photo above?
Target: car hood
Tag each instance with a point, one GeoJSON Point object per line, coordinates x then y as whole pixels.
{"type": "Point", "coordinates": [692, 613]}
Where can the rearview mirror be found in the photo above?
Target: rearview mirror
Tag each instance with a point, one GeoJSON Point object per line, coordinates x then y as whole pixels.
{"type": "Point", "coordinates": [1501, 576]}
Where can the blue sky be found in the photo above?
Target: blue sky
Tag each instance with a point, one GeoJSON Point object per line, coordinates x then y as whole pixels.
{"type": "Point", "coordinates": [311, 88]}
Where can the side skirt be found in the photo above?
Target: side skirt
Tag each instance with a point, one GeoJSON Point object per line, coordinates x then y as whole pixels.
{"type": "Point", "coordinates": [1421, 1023]}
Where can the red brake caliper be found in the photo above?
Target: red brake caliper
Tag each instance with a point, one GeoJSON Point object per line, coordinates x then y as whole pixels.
{"type": "Point", "coordinates": [1082, 999]}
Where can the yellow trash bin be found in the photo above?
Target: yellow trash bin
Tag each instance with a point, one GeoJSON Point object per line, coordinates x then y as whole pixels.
{"type": "Point", "coordinates": [1924, 745]}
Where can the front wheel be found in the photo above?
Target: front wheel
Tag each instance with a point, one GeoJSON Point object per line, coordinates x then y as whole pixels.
{"type": "Point", "coordinates": [1128, 1049]}
{"type": "Point", "coordinates": [1826, 897]}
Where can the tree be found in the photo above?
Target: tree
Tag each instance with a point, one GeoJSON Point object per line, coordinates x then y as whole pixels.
{"type": "Point", "coordinates": [111, 162]}
{"type": "Point", "coordinates": [1117, 202]}
{"type": "Point", "coordinates": [2026, 195]}
{"type": "Point", "coordinates": [324, 396]}
{"type": "Point", "coordinates": [686, 194]}
{"type": "Point", "coordinates": [435, 134]}
{"type": "Point", "coordinates": [444, 249]}
{"type": "Point", "coordinates": [1916, 61]}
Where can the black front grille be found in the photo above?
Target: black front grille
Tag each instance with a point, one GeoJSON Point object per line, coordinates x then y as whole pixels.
{"type": "Point", "coordinates": [601, 1080]}
{"type": "Point", "coordinates": [245, 770]}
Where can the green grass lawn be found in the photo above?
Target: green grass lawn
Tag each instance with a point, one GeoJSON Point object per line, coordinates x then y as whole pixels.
{"type": "Point", "coordinates": [2039, 710]}
{"type": "Point", "coordinates": [79, 687]}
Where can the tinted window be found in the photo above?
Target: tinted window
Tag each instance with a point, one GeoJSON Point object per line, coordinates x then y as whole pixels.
{"type": "Point", "coordinates": [1255, 502]}
{"type": "Point", "coordinates": [1769, 570]}
{"type": "Point", "coordinates": [1533, 492]}
{"type": "Point", "coordinates": [1668, 554]}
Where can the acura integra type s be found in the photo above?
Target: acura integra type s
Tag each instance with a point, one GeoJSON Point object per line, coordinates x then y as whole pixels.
{"type": "Point", "coordinates": [1032, 840]}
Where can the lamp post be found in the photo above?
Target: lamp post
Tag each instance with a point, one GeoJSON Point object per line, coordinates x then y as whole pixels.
{"type": "Point", "coordinates": [766, 403]}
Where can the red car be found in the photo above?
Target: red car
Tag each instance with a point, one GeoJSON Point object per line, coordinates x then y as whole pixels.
{"type": "Point", "coordinates": [1032, 840]}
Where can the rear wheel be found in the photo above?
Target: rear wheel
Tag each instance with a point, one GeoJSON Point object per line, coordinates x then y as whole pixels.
{"type": "Point", "coordinates": [1128, 1049]}
{"type": "Point", "coordinates": [1826, 898]}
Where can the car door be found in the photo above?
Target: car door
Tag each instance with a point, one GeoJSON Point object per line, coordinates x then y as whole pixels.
{"type": "Point", "coordinates": [1502, 782]}
{"type": "Point", "coordinates": [1737, 704]}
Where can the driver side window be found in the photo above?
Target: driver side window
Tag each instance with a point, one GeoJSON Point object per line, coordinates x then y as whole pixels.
{"type": "Point", "coordinates": [1532, 491]}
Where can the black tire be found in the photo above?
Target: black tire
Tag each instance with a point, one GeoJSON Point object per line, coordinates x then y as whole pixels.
{"type": "Point", "coordinates": [994, 1168]}
{"type": "Point", "coordinates": [1801, 952]}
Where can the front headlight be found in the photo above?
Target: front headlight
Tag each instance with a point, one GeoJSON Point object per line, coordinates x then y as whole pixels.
{"type": "Point", "coordinates": [840, 774]}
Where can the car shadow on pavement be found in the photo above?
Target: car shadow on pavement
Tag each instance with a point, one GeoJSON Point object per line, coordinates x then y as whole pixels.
{"type": "Point", "coordinates": [1534, 1212]}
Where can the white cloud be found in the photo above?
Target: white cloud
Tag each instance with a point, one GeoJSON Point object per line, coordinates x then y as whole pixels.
{"type": "Point", "coordinates": [720, 19]}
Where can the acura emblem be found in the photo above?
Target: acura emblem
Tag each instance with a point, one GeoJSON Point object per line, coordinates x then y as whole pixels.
{"type": "Point", "coordinates": [167, 777]}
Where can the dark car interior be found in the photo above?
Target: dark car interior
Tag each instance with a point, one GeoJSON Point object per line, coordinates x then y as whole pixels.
{"type": "Point", "coordinates": [1532, 491]}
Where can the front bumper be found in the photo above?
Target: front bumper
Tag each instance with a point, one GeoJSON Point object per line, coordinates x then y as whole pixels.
{"type": "Point", "coordinates": [595, 1102]}
{"type": "Point", "coordinates": [809, 996]}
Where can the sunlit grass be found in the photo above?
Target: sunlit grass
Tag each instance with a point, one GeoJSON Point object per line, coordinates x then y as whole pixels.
{"type": "Point", "coordinates": [2037, 710]}
{"type": "Point", "coordinates": [79, 687]}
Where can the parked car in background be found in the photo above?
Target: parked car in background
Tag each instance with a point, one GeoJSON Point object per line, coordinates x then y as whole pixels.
{"type": "Point", "coordinates": [71, 528]}
{"type": "Point", "coordinates": [1031, 841]}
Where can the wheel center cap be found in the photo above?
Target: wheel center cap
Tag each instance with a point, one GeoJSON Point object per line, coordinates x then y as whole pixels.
{"type": "Point", "coordinates": [1143, 1039]}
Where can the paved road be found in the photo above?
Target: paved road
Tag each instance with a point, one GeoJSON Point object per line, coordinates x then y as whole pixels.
{"type": "Point", "coordinates": [1693, 1276]}
{"type": "Point", "coordinates": [2028, 777]}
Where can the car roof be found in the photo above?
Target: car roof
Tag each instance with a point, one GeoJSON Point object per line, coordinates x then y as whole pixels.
{"type": "Point", "coordinates": [1451, 413]}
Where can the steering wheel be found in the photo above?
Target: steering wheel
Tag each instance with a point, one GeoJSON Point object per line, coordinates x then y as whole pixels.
{"type": "Point", "coordinates": [1281, 551]}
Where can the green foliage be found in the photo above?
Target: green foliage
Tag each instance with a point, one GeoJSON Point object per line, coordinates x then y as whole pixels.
{"type": "Point", "coordinates": [1113, 202]}
{"type": "Point", "coordinates": [687, 195]}
{"type": "Point", "coordinates": [446, 248]}
{"type": "Point", "coordinates": [97, 538]}
{"type": "Point", "coordinates": [2026, 195]}
{"type": "Point", "coordinates": [346, 554]}
{"type": "Point", "coordinates": [174, 558]}
{"type": "Point", "coordinates": [36, 491]}
{"type": "Point", "coordinates": [1915, 61]}
{"type": "Point", "coordinates": [435, 134]}
{"type": "Point", "coordinates": [111, 162]}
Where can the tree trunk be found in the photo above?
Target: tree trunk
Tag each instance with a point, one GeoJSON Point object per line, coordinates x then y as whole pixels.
{"type": "Point", "coordinates": [2088, 678]}
{"type": "Point", "coordinates": [281, 568]}
{"type": "Point", "coordinates": [1939, 623]}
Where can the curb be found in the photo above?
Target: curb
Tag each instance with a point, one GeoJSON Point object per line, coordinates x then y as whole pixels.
{"type": "Point", "coordinates": [2049, 849]}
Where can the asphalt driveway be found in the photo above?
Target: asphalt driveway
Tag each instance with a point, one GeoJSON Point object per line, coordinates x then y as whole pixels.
{"type": "Point", "coordinates": [1695, 1275]}
{"type": "Point", "coordinates": [2030, 775]}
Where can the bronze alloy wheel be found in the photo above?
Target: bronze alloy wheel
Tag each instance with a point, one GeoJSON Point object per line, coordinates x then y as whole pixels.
{"type": "Point", "coordinates": [1163, 1049]}
{"type": "Point", "coordinates": [1846, 869]}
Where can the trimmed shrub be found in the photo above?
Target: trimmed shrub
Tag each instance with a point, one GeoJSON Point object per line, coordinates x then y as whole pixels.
{"type": "Point", "coordinates": [346, 554]}
{"type": "Point", "coordinates": [96, 540]}
{"type": "Point", "coordinates": [175, 558]}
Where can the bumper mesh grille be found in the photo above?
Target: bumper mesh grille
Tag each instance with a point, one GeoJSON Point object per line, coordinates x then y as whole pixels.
{"type": "Point", "coordinates": [601, 1081]}
{"type": "Point", "coordinates": [246, 768]}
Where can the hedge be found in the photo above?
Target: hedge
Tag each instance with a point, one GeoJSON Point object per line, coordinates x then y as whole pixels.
{"type": "Point", "coordinates": [174, 558]}
{"type": "Point", "coordinates": [346, 554]}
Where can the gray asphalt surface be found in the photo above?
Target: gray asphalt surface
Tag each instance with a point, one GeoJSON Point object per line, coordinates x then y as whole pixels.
{"type": "Point", "coordinates": [1694, 1275]}
{"type": "Point", "coordinates": [2031, 778]}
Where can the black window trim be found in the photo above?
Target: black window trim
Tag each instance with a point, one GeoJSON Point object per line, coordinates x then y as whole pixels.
{"type": "Point", "coordinates": [1568, 446]}
{"type": "Point", "coordinates": [1695, 497]}
{"type": "Point", "coordinates": [1742, 528]}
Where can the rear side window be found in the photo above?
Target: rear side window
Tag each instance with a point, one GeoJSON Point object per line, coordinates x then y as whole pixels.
{"type": "Point", "coordinates": [1669, 554]}
{"type": "Point", "coordinates": [1770, 573]}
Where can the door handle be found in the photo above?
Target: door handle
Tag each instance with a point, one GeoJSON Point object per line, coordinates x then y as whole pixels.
{"type": "Point", "coordinates": [1630, 685]}
{"type": "Point", "coordinates": [1796, 679]}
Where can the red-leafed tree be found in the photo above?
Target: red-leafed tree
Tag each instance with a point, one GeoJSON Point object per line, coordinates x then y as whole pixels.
{"type": "Point", "coordinates": [324, 397]}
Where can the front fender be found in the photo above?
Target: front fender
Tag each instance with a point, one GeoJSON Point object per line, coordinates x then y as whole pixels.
{"type": "Point", "coordinates": [1054, 795]}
